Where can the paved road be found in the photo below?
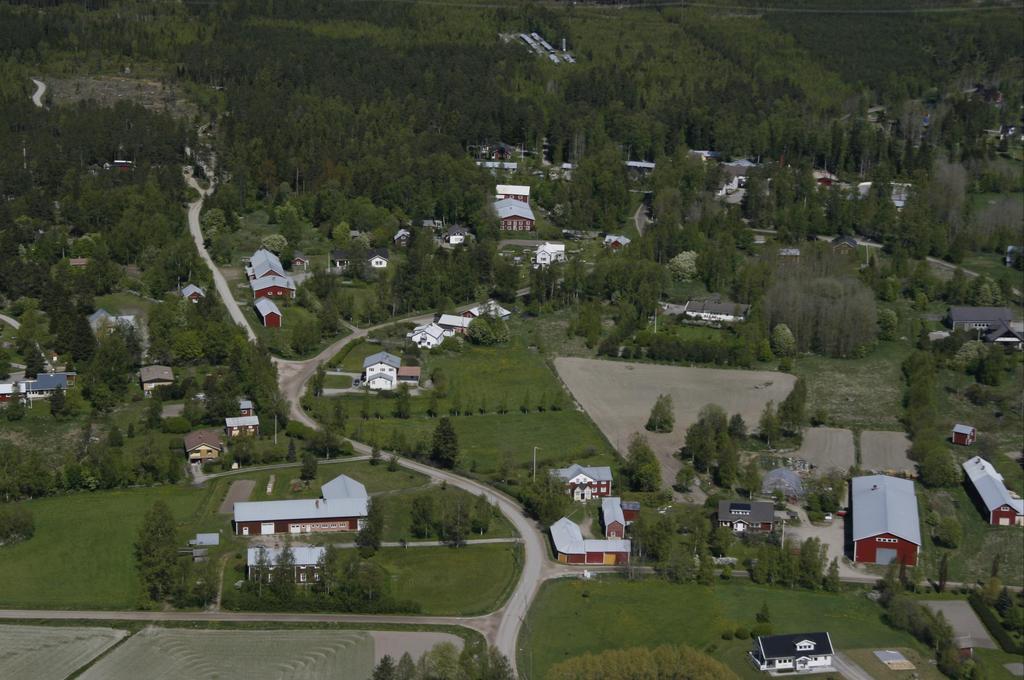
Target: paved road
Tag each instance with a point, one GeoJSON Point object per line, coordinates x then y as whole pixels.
{"type": "Point", "coordinates": [194, 209]}
{"type": "Point", "coordinates": [640, 219]}
{"type": "Point", "coordinates": [37, 96]}
{"type": "Point", "coordinates": [8, 320]}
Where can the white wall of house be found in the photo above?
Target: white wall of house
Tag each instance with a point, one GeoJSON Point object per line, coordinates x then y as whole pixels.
{"type": "Point", "coordinates": [386, 377]}
{"type": "Point", "coordinates": [378, 263]}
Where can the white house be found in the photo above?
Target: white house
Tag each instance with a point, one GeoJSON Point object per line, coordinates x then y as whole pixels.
{"type": "Point", "coordinates": [714, 310]}
{"type": "Point", "coordinates": [428, 336]}
{"type": "Point", "coordinates": [455, 236]}
{"type": "Point", "coordinates": [380, 371]}
{"type": "Point", "coordinates": [548, 253]}
{"type": "Point", "coordinates": [517, 192]}
{"type": "Point", "coordinates": [803, 652]}
{"type": "Point", "coordinates": [378, 258]}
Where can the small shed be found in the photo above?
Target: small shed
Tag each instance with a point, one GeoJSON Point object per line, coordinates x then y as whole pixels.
{"type": "Point", "coordinates": [964, 435]}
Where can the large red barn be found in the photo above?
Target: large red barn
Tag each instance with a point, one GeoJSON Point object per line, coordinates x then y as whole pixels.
{"type": "Point", "coordinates": [1000, 506]}
{"type": "Point", "coordinates": [572, 548]}
{"type": "Point", "coordinates": [886, 528]}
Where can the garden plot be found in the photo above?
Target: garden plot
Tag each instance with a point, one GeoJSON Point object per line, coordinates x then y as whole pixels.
{"type": "Point", "coordinates": [47, 652]}
{"type": "Point", "coordinates": [619, 396]}
{"type": "Point", "coordinates": [827, 448]}
{"type": "Point", "coordinates": [885, 451]}
{"type": "Point", "coordinates": [170, 654]}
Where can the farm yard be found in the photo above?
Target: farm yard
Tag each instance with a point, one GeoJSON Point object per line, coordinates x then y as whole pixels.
{"type": "Point", "coordinates": [618, 396]}
{"type": "Point", "coordinates": [166, 654]}
{"type": "Point", "coordinates": [51, 653]}
{"type": "Point", "coordinates": [885, 451]}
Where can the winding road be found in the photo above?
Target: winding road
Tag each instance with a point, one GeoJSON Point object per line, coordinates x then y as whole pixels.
{"type": "Point", "coordinates": [13, 323]}
{"type": "Point", "coordinates": [37, 96]}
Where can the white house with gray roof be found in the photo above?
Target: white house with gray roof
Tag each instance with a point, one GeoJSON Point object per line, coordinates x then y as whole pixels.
{"type": "Point", "coordinates": [261, 561]}
{"type": "Point", "coordinates": [886, 527]}
{"type": "Point", "coordinates": [428, 336]}
{"type": "Point", "coordinates": [380, 371]}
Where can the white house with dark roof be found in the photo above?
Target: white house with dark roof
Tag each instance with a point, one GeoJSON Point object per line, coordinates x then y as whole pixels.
{"type": "Point", "coordinates": [886, 527]}
{"type": "Point", "coordinates": [1002, 506]}
{"type": "Point", "coordinates": [380, 371]}
{"type": "Point", "coordinates": [428, 336]}
{"type": "Point", "coordinates": [584, 483]}
{"type": "Point", "coordinates": [978, 318]}
{"type": "Point", "coordinates": [377, 258]}
{"type": "Point", "coordinates": [799, 652]}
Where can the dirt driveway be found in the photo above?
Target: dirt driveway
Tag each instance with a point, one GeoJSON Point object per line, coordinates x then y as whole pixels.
{"type": "Point", "coordinates": [828, 448]}
{"type": "Point", "coordinates": [885, 451]}
{"type": "Point", "coordinates": [619, 395]}
{"type": "Point", "coordinates": [238, 491]}
{"type": "Point", "coordinates": [964, 620]}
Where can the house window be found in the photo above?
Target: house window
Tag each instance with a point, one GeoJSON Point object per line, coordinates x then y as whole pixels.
{"type": "Point", "coordinates": [302, 577]}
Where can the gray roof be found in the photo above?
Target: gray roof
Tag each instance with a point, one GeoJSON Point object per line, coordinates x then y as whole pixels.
{"type": "Point", "coordinates": [715, 307]}
{"type": "Point", "coordinates": [45, 381]}
{"type": "Point", "coordinates": [990, 486]}
{"type": "Point", "coordinates": [750, 512]}
{"type": "Point", "coordinates": [272, 280]}
{"type": "Point", "coordinates": [343, 486]}
{"type": "Point", "coordinates": [1002, 329]}
{"type": "Point", "coordinates": [245, 404]}
{"type": "Point", "coordinates": [885, 505]}
{"type": "Point", "coordinates": [785, 480]}
{"type": "Point", "coordinates": [511, 207]}
{"type": "Point", "coordinates": [265, 307]}
{"type": "Point", "coordinates": [242, 421]}
{"type": "Point", "coordinates": [601, 473]}
{"type": "Point", "coordinates": [963, 429]}
{"type": "Point", "coordinates": [206, 539]}
{"type": "Point", "coordinates": [304, 555]}
{"type": "Point", "coordinates": [304, 508]}
{"type": "Point", "coordinates": [611, 510]}
{"type": "Point", "coordinates": [568, 539]}
{"type": "Point", "coordinates": [264, 262]}
{"type": "Point", "coordinates": [988, 315]}
{"type": "Point", "coordinates": [192, 288]}
{"type": "Point", "coordinates": [382, 358]}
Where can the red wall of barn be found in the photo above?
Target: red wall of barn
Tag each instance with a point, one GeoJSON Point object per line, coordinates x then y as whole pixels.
{"type": "Point", "coordinates": [575, 559]}
{"type": "Point", "coordinates": [281, 526]}
{"type": "Point", "coordinates": [999, 513]}
{"type": "Point", "coordinates": [272, 291]}
{"type": "Point", "coordinates": [962, 438]}
{"type": "Point", "coordinates": [615, 530]}
{"type": "Point", "coordinates": [865, 550]}
{"type": "Point", "coordinates": [272, 320]}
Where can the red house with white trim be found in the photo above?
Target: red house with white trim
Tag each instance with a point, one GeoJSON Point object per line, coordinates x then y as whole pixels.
{"type": "Point", "coordinates": [886, 528]}
{"type": "Point", "coordinates": [1002, 506]}
{"type": "Point", "coordinates": [964, 435]}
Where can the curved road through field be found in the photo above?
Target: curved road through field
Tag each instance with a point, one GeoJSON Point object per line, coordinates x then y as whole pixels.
{"type": "Point", "coordinates": [37, 96]}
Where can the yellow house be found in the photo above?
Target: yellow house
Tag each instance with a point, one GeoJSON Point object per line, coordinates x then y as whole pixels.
{"type": "Point", "coordinates": [203, 445]}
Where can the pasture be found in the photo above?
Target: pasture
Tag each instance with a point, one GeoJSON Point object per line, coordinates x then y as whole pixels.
{"type": "Point", "coordinates": [51, 653]}
{"type": "Point", "coordinates": [166, 654]}
{"type": "Point", "coordinates": [618, 396]}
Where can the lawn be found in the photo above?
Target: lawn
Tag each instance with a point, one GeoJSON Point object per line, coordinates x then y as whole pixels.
{"type": "Point", "coordinates": [463, 581]}
{"type": "Point", "coordinates": [376, 478]}
{"type": "Point", "coordinates": [924, 670]}
{"type": "Point", "coordinates": [397, 508]}
{"type": "Point", "coordinates": [352, 359]}
{"type": "Point", "coordinates": [80, 556]}
{"type": "Point", "coordinates": [972, 560]}
{"type": "Point", "coordinates": [861, 394]}
{"type": "Point", "coordinates": [999, 420]}
{"type": "Point", "coordinates": [338, 381]}
{"type": "Point", "coordinates": [571, 617]}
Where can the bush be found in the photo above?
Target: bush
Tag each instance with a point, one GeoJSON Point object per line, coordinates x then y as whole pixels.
{"type": "Point", "coordinates": [298, 430]}
{"type": "Point", "coordinates": [742, 633]}
{"type": "Point", "coordinates": [16, 524]}
{"type": "Point", "coordinates": [176, 425]}
{"type": "Point", "coordinates": [727, 635]}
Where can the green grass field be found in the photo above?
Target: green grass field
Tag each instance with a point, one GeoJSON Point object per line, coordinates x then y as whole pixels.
{"type": "Point", "coordinates": [571, 617]}
{"type": "Point", "coordinates": [338, 381]}
{"type": "Point", "coordinates": [862, 393]}
{"type": "Point", "coordinates": [397, 509]}
{"type": "Point", "coordinates": [81, 554]}
{"type": "Point", "coordinates": [353, 359]}
{"type": "Point", "coordinates": [470, 580]}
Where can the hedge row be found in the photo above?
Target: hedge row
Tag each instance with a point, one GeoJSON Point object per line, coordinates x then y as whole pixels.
{"type": "Point", "coordinates": [993, 624]}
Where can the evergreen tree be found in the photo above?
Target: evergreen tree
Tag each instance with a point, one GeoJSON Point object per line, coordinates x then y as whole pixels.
{"type": "Point", "coordinates": [58, 405]}
{"type": "Point", "coordinates": [444, 450]}
{"type": "Point", "coordinates": [291, 450]}
{"type": "Point", "coordinates": [642, 468]}
{"type": "Point", "coordinates": [282, 576]}
{"type": "Point", "coordinates": [156, 551]}
{"type": "Point", "coordinates": [943, 572]}
{"type": "Point", "coordinates": [369, 536]}
{"type": "Point", "coordinates": [423, 521]}
{"type": "Point", "coordinates": [832, 582]}
{"type": "Point", "coordinates": [483, 513]}
{"type": "Point", "coordinates": [385, 670]}
{"type": "Point", "coordinates": [793, 407]}
{"type": "Point", "coordinates": [406, 669]}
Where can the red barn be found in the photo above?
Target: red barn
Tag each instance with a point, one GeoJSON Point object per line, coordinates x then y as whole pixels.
{"type": "Point", "coordinates": [613, 518]}
{"type": "Point", "coordinates": [270, 315]}
{"type": "Point", "coordinates": [572, 548]}
{"type": "Point", "coordinates": [343, 507]}
{"type": "Point", "coordinates": [886, 528]}
{"type": "Point", "coordinates": [273, 287]}
{"type": "Point", "coordinates": [964, 435]}
{"type": "Point", "coordinates": [1000, 506]}
{"type": "Point", "coordinates": [630, 511]}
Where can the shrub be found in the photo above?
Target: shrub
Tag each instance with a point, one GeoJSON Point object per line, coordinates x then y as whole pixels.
{"type": "Point", "coordinates": [16, 524]}
{"type": "Point", "coordinates": [176, 425]}
{"type": "Point", "coordinates": [727, 635]}
{"type": "Point", "coordinates": [742, 633]}
{"type": "Point", "coordinates": [298, 430]}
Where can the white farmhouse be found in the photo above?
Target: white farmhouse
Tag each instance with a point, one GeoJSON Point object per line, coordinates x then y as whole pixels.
{"type": "Point", "coordinates": [548, 253]}
{"type": "Point", "coordinates": [428, 336]}
{"type": "Point", "coordinates": [380, 371]}
{"type": "Point", "coordinates": [378, 258]}
{"type": "Point", "coordinates": [715, 310]}
{"type": "Point", "coordinates": [803, 652]}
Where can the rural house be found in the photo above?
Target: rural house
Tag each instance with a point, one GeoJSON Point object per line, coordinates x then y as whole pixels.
{"type": "Point", "coordinates": [410, 375]}
{"type": "Point", "coordinates": [964, 435]}
{"type": "Point", "coordinates": [300, 261]}
{"type": "Point", "coordinates": [306, 557]}
{"type": "Point", "coordinates": [6, 392]}
{"type": "Point", "coordinates": [242, 425]}
{"type": "Point", "coordinates": [269, 313]}
{"type": "Point", "coordinates": [273, 287]}
{"type": "Point", "coordinates": [715, 310]}
{"type": "Point", "coordinates": [513, 192]}
{"type": "Point", "coordinates": [612, 517]}
{"type": "Point", "coordinates": [203, 445]}
{"type": "Point", "coordinates": [456, 235]}
{"type": "Point", "coordinates": [514, 215]}
{"type": "Point", "coordinates": [886, 528]}
{"type": "Point", "coordinates": [548, 253]}
{"type": "Point", "coordinates": [246, 408]}
{"type": "Point", "coordinates": [978, 318]}
{"type": "Point", "coordinates": [489, 308]}
{"type": "Point", "coordinates": [572, 548]}
{"type": "Point", "coordinates": [743, 516]}
{"type": "Point", "coordinates": [380, 371]}
{"type": "Point", "coordinates": [844, 245]}
{"type": "Point", "coordinates": [453, 324]}
{"type": "Point", "coordinates": [1005, 335]}
{"type": "Point", "coordinates": [584, 483]}
{"type": "Point", "coordinates": [42, 386]}
{"type": "Point", "coordinates": [343, 506]}
{"type": "Point", "coordinates": [800, 652]}
{"type": "Point", "coordinates": [615, 241]}
{"type": "Point", "coordinates": [377, 258]}
{"type": "Point", "coordinates": [1000, 506]}
{"type": "Point", "coordinates": [193, 292]}
{"type": "Point", "coordinates": [428, 336]}
{"type": "Point", "coordinates": [152, 377]}
{"type": "Point", "coordinates": [401, 238]}
{"type": "Point", "coordinates": [630, 511]}
{"type": "Point", "coordinates": [101, 319]}
{"type": "Point", "coordinates": [264, 263]}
